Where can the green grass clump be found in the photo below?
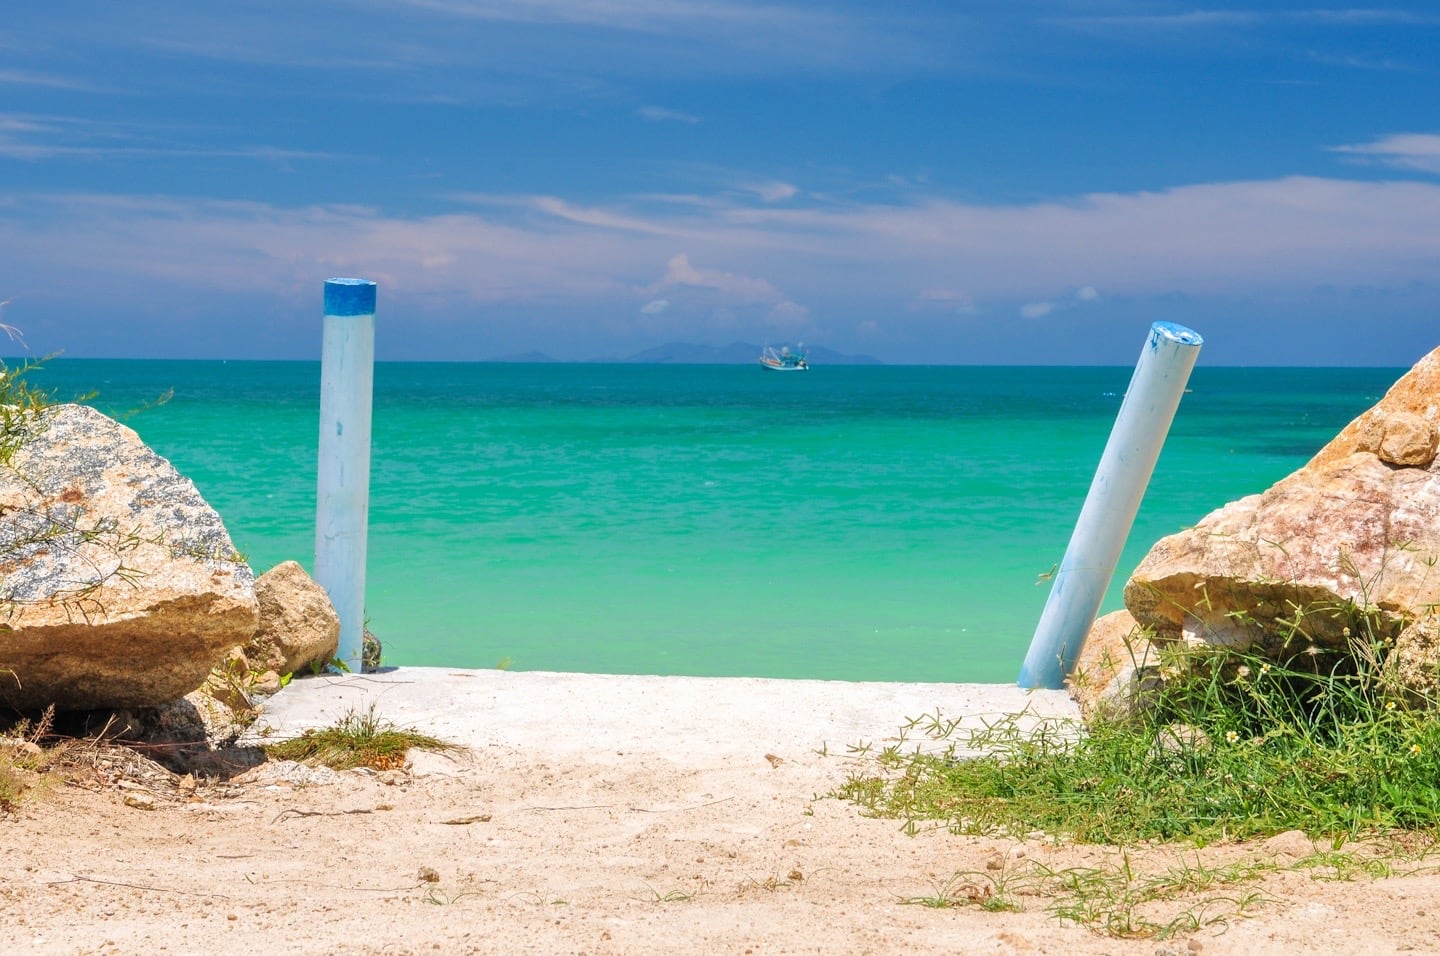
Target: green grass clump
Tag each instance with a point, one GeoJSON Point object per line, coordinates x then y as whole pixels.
{"type": "Point", "coordinates": [358, 740]}
{"type": "Point", "coordinates": [1231, 747]}
{"type": "Point", "coordinates": [1114, 899]}
{"type": "Point", "coordinates": [20, 405]}
{"type": "Point", "coordinates": [20, 764]}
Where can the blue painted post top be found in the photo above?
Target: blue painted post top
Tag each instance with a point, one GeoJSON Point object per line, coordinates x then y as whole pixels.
{"type": "Point", "coordinates": [349, 297]}
{"type": "Point", "coordinates": [1175, 333]}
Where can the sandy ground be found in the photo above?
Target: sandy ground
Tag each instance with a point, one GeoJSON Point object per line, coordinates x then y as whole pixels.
{"type": "Point", "coordinates": [607, 815]}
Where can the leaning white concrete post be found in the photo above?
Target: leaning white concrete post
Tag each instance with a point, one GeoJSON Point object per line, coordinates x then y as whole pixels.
{"type": "Point", "coordinates": [1110, 507]}
{"type": "Point", "coordinates": [347, 370]}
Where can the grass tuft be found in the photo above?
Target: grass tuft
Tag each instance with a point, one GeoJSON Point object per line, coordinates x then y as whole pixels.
{"type": "Point", "coordinates": [358, 740]}
{"type": "Point", "coordinates": [1232, 746]}
{"type": "Point", "coordinates": [23, 759]}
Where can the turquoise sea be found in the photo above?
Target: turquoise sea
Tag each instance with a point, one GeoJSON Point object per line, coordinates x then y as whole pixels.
{"type": "Point", "coordinates": [877, 523]}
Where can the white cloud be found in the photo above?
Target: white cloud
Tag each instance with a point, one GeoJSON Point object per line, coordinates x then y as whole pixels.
{"type": "Point", "coordinates": [773, 191]}
{"type": "Point", "coordinates": [1205, 19]}
{"type": "Point", "coordinates": [1280, 238]}
{"type": "Point", "coordinates": [727, 291]}
{"type": "Point", "coordinates": [655, 306]}
{"type": "Point", "coordinates": [710, 35]}
{"type": "Point", "coordinates": [737, 289]}
{"type": "Point", "coordinates": [51, 80]}
{"type": "Point", "coordinates": [1417, 151]}
{"type": "Point", "coordinates": [1037, 310]}
{"type": "Point", "coordinates": [29, 136]}
{"type": "Point", "coordinates": [1177, 21]}
{"type": "Point", "coordinates": [660, 114]}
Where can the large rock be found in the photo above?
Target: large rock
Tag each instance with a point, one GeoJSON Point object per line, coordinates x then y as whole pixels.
{"type": "Point", "coordinates": [298, 624]}
{"type": "Point", "coordinates": [1116, 667]}
{"type": "Point", "coordinates": [119, 586]}
{"type": "Point", "coordinates": [1345, 549]}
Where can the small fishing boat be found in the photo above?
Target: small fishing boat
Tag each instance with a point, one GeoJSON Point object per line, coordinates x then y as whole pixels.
{"type": "Point", "coordinates": [784, 360]}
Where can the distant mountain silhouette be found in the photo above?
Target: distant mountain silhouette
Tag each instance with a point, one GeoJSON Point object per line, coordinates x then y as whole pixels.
{"type": "Point", "coordinates": [524, 357]}
{"type": "Point", "coordinates": [684, 353]}
{"type": "Point", "coordinates": [737, 353]}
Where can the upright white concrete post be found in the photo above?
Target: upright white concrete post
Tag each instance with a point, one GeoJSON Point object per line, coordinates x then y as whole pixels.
{"type": "Point", "coordinates": [1110, 507]}
{"type": "Point", "coordinates": [347, 371]}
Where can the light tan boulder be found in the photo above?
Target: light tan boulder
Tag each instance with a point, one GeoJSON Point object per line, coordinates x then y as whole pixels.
{"type": "Point", "coordinates": [298, 624]}
{"type": "Point", "coordinates": [1415, 661]}
{"type": "Point", "coordinates": [1411, 407]}
{"type": "Point", "coordinates": [119, 586]}
{"type": "Point", "coordinates": [1116, 667]}
{"type": "Point", "coordinates": [1346, 548]}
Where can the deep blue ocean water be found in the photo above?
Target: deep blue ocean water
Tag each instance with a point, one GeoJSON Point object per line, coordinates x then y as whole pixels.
{"type": "Point", "coordinates": [875, 523]}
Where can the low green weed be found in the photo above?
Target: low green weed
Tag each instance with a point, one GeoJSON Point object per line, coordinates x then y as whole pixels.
{"type": "Point", "coordinates": [357, 740]}
{"type": "Point", "coordinates": [22, 758]}
{"type": "Point", "coordinates": [1114, 899]}
{"type": "Point", "coordinates": [1232, 746]}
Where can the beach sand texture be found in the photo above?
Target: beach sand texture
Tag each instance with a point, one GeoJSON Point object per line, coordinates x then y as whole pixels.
{"type": "Point", "coordinates": [597, 814]}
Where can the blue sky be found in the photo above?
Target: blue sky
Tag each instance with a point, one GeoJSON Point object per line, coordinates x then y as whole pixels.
{"type": "Point", "coordinates": [1016, 181]}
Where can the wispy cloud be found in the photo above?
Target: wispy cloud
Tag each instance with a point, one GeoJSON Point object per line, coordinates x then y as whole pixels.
{"type": "Point", "coordinates": [1038, 310]}
{"type": "Point", "coordinates": [1414, 151]}
{"type": "Point", "coordinates": [1270, 237]}
{"type": "Point", "coordinates": [1186, 21]}
{"type": "Point", "coordinates": [1364, 61]}
{"type": "Point", "coordinates": [32, 137]}
{"type": "Point", "coordinates": [731, 290]}
{"type": "Point", "coordinates": [773, 191]}
{"type": "Point", "coordinates": [519, 37]}
{"type": "Point", "coordinates": [1206, 19]}
{"type": "Point", "coordinates": [53, 80]}
{"type": "Point", "coordinates": [660, 114]}
{"type": "Point", "coordinates": [606, 219]}
{"type": "Point", "coordinates": [649, 16]}
{"type": "Point", "coordinates": [1329, 37]}
{"type": "Point", "coordinates": [1362, 17]}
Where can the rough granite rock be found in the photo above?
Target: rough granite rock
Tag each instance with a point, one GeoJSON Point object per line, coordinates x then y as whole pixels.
{"type": "Point", "coordinates": [1358, 527]}
{"type": "Point", "coordinates": [119, 586]}
{"type": "Point", "coordinates": [298, 624]}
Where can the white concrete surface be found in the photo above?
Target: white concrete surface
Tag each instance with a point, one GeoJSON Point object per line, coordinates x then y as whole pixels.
{"type": "Point", "coordinates": [694, 721]}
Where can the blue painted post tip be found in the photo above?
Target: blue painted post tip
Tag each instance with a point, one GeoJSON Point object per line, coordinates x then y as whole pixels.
{"type": "Point", "coordinates": [1178, 333]}
{"type": "Point", "coordinates": [349, 297]}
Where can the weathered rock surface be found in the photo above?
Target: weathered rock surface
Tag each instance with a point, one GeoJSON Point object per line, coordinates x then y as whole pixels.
{"type": "Point", "coordinates": [1357, 528]}
{"type": "Point", "coordinates": [1115, 667]}
{"type": "Point", "coordinates": [119, 586]}
{"type": "Point", "coordinates": [298, 624]}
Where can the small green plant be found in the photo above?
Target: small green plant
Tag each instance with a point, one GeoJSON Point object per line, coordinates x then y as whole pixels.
{"type": "Point", "coordinates": [22, 757]}
{"type": "Point", "coordinates": [233, 684]}
{"type": "Point", "coordinates": [981, 890]}
{"type": "Point", "coordinates": [1118, 900]}
{"type": "Point", "coordinates": [1113, 899]}
{"type": "Point", "coordinates": [436, 896]}
{"type": "Point", "coordinates": [20, 402]}
{"type": "Point", "coordinates": [671, 896]}
{"type": "Point", "coordinates": [318, 667]}
{"type": "Point", "coordinates": [358, 740]}
{"type": "Point", "coordinates": [1232, 745]}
